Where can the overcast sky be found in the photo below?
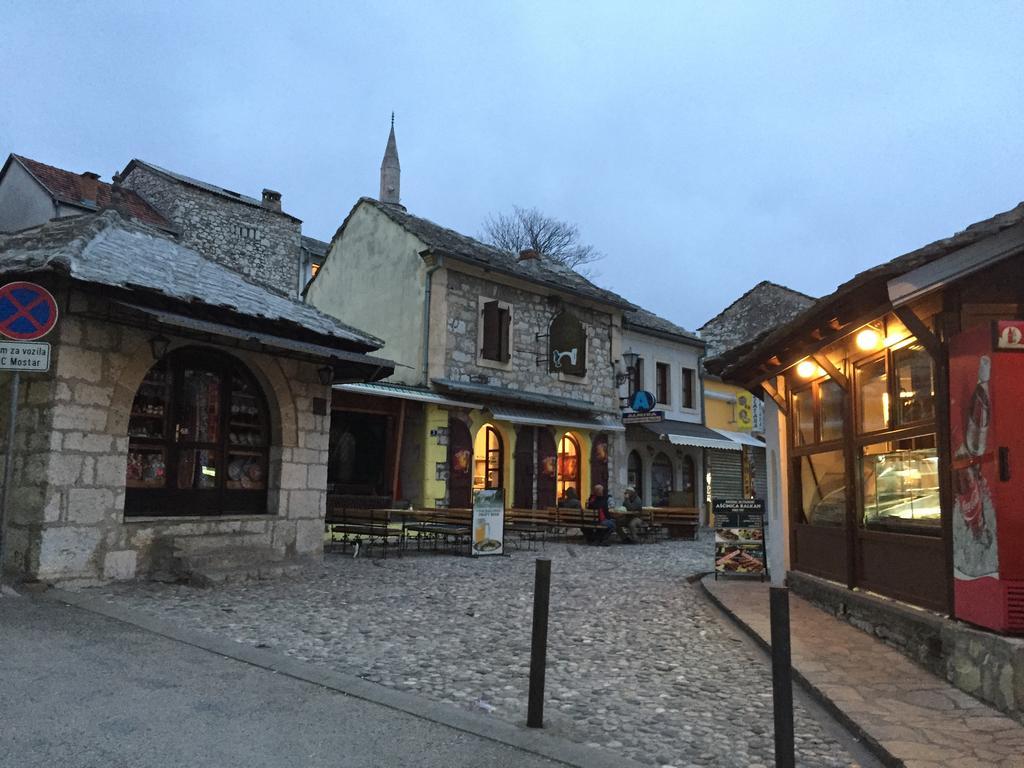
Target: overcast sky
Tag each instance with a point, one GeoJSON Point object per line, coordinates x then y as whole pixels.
{"type": "Point", "coordinates": [701, 147]}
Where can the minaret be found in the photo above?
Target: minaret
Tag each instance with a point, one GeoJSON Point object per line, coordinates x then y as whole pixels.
{"type": "Point", "coordinates": [391, 171]}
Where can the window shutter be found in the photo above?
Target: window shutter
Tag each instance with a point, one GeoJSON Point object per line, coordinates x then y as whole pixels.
{"type": "Point", "coordinates": [504, 319]}
{"type": "Point", "coordinates": [492, 328]}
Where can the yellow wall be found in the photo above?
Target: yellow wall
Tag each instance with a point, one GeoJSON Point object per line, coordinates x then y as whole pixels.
{"type": "Point", "coordinates": [433, 489]}
{"type": "Point", "coordinates": [719, 413]}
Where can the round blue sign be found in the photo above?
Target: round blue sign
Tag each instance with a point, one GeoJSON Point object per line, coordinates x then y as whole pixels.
{"type": "Point", "coordinates": [641, 401]}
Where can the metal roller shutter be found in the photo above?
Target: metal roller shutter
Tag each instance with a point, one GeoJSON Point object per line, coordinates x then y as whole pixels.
{"type": "Point", "coordinates": [726, 471]}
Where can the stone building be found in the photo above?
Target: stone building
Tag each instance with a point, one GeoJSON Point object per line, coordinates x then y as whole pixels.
{"type": "Point", "coordinates": [182, 427]}
{"type": "Point", "coordinates": [505, 365]}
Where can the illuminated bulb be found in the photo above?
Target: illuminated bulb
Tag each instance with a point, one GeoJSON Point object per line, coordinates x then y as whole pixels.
{"type": "Point", "coordinates": [868, 339]}
{"type": "Point", "coordinates": [806, 369]}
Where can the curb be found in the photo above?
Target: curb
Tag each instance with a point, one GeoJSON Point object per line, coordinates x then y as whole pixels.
{"type": "Point", "coordinates": [536, 742]}
{"type": "Point", "coordinates": [870, 742]}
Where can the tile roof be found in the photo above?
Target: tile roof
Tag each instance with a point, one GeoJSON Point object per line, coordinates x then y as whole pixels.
{"type": "Point", "coordinates": [765, 306]}
{"type": "Point", "coordinates": [642, 320]}
{"type": "Point", "coordinates": [314, 246]}
{"type": "Point", "coordinates": [238, 197]}
{"type": "Point", "coordinates": [543, 271]}
{"type": "Point", "coordinates": [108, 249]}
{"type": "Point", "coordinates": [66, 187]}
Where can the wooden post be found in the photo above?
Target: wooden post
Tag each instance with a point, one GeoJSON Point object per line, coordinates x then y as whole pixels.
{"type": "Point", "coordinates": [397, 463]}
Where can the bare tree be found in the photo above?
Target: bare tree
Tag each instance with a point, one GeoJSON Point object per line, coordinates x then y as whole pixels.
{"type": "Point", "coordinates": [528, 228]}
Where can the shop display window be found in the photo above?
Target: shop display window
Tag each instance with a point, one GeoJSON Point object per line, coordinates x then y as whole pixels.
{"type": "Point", "coordinates": [568, 465]}
{"type": "Point", "coordinates": [872, 396]}
{"type": "Point", "coordinates": [198, 439]}
{"type": "Point", "coordinates": [489, 460]}
{"type": "Point", "coordinates": [823, 488]}
{"type": "Point", "coordinates": [900, 486]}
{"type": "Point", "coordinates": [803, 417]}
{"type": "Point", "coordinates": [915, 382]}
{"type": "Point", "coordinates": [830, 396]}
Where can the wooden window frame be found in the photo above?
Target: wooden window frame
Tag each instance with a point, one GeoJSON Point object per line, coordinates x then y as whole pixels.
{"type": "Point", "coordinates": [665, 368]}
{"type": "Point", "coordinates": [687, 398]}
{"type": "Point", "coordinates": [561, 484]}
{"type": "Point", "coordinates": [495, 343]}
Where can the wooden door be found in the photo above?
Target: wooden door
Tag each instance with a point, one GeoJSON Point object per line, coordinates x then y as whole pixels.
{"type": "Point", "coordinates": [547, 468]}
{"type": "Point", "coordinates": [598, 464]}
{"type": "Point", "coordinates": [523, 458]}
{"type": "Point", "coordinates": [460, 464]}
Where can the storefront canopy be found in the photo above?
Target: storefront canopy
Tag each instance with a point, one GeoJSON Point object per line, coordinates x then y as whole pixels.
{"type": "Point", "coordinates": [743, 438]}
{"type": "Point", "coordinates": [417, 394]}
{"type": "Point", "coordinates": [548, 419]}
{"type": "Point", "coordinates": [686, 433]}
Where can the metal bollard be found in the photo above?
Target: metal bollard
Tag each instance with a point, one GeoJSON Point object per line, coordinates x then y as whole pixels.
{"type": "Point", "coordinates": [782, 677]}
{"type": "Point", "coordinates": [539, 644]}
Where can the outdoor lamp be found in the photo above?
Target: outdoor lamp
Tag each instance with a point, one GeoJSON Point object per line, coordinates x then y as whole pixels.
{"type": "Point", "coordinates": [868, 339]}
{"type": "Point", "coordinates": [159, 344]}
{"type": "Point", "coordinates": [629, 360]}
{"type": "Point", "coordinates": [806, 369]}
{"type": "Point", "coordinates": [326, 374]}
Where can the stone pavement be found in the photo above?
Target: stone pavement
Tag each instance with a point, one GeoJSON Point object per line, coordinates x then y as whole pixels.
{"type": "Point", "coordinates": [639, 662]}
{"type": "Point", "coordinates": [920, 720]}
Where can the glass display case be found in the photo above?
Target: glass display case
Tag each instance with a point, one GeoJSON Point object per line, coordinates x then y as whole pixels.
{"type": "Point", "coordinates": [247, 439]}
{"type": "Point", "coordinates": [900, 483]}
{"type": "Point", "coordinates": [147, 428]}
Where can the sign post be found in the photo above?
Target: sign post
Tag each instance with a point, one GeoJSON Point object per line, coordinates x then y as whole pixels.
{"type": "Point", "coordinates": [27, 312]}
{"type": "Point", "coordinates": [739, 537]}
{"type": "Point", "coordinates": [488, 531]}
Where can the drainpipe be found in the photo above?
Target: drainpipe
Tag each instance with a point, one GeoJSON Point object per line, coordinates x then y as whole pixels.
{"type": "Point", "coordinates": [433, 264]}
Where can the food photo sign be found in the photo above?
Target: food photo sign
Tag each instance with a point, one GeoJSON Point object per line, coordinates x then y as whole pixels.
{"type": "Point", "coordinates": [488, 522]}
{"type": "Point", "coordinates": [739, 537]}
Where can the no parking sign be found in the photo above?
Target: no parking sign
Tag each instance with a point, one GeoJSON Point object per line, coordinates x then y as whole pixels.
{"type": "Point", "coordinates": [27, 311]}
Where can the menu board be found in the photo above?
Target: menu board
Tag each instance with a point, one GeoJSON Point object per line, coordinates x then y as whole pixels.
{"type": "Point", "coordinates": [488, 522]}
{"type": "Point", "coordinates": [739, 537]}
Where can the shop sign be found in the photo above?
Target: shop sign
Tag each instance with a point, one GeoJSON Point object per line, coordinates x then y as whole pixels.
{"type": "Point", "coordinates": [739, 537]}
{"type": "Point", "coordinates": [1010, 335]}
{"type": "Point", "coordinates": [488, 522]}
{"type": "Point", "coordinates": [567, 345]}
{"type": "Point", "coordinates": [30, 356]}
{"type": "Point", "coordinates": [743, 411]}
{"type": "Point", "coordinates": [641, 401]}
{"type": "Point", "coordinates": [650, 417]}
{"type": "Point", "coordinates": [27, 311]}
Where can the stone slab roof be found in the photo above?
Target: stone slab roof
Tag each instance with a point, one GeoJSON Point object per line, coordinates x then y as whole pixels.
{"type": "Point", "coordinates": [316, 247]}
{"type": "Point", "coordinates": [765, 306]}
{"type": "Point", "coordinates": [213, 189]}
{"type": "Point", "coordinates": [542, 271]}
{"type": "Point", "coordinates": [66, 187]}
{"type": "Point", "coordinates": [642, 320]}
{"type": "Point", "coordinates": [110, 250]}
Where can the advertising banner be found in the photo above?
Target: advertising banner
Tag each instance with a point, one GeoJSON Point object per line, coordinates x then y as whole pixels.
{"type": "Point", "coordinates": [488, 522]}
{"type": "Point", "coordinates": [739, 537]}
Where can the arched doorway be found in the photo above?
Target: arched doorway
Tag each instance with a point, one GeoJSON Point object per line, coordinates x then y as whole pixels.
{"type": "Point", "coordinates": [635, 472]}
{"type": "Point", "coordinates": [689, 485]}
{"type": "Point", "coordinates": [662, 480]}
{"type": "Point", "coordinates": [198, 438]}
{"type": "Point", "coordinates": [488, 459]}
{"type": "Point", "coordinates": [568, 465]}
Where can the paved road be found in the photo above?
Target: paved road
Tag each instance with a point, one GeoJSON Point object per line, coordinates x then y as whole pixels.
{"type": "Point", "coordinates": [79, 690]}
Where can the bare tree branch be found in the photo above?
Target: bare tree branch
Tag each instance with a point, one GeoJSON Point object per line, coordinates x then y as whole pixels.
{"type": "Point", "coordinates": [529, 228]}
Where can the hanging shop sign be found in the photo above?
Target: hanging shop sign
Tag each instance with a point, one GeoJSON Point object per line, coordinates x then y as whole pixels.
{"type": "Point", "coordinates": [567, 345]}
{"type": "Point", "coordinates": [739, 537]}
{"type": "Point", "coordinates": [743, 411]}
{"type": "Point", "coordinates": [650, 417]}
{"type": "Point", "coordinates": [488, 522]}
{"type": "Point", "coordinates": [641, 401]}
{"type": "Point", "coordinates": [27, 311]}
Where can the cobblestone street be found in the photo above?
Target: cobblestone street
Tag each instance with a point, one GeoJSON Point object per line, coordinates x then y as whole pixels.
{"type": "Point", "coordinates": [638, 662]}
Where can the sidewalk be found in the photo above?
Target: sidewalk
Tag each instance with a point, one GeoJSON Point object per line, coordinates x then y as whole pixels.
{"type": "Point", "coordinates": [908, 715]}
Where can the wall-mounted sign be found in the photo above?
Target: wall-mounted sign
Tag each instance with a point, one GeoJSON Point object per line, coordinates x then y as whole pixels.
{"type": "Point", "coordinates": [743, 411]}
{"type": "Point", "coordinates": [739, 537]}
{"type": "Point", "coordinates": [567, 345]}
{"type": "Point", "coordinates": [488, 522]}
{"type": "Point", "coordinates": [651, 417]}
{"type": "Point", "coordinates": [641, 401]}
{"type": "Point", "coordinates": [30, 356]}
{"type": "Point", "coordinates": [1010, 335]}
{"type": "Point", "coordinates": [27, 311]}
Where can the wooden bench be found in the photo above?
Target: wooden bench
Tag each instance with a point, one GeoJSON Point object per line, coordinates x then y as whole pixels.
{"type": "Point", "coordinates": [439, 527]}
{"type": "Point", "coordinates": [591, 529]}
{"type": "Point", "coordinates": [680, 522]}
{"type": "Point", "coordinates": [529, 526]}
{"type": "Point", "coordinates": [357, 527]}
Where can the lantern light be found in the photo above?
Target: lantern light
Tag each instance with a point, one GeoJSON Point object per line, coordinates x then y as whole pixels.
{"type": "Point", "coordinates": [807, 369]}
{"type": "Point", "coordinates": [868, 339]}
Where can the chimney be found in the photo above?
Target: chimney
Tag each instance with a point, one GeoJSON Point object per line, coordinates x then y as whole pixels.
{"type": "Point", "coordinates": [118, 200]}
{"type": "Point", "coordinates": [528, 254]}
{"type": "Point", "coordinates": [87, 184]}
{"type": "Point", "coordinates": [272, 200]}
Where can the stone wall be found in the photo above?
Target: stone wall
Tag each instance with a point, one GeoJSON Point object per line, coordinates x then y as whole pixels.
{"type": "Point", "coordinates": [66, 520]}
{"type": "Point", "coordinates": [263, 245]}
{"type": "Point", "coordinates": [531, 316]}
{"type": "Point", "coordinates": [983, 664]}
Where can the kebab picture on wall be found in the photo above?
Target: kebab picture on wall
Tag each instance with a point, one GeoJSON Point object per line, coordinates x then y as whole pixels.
{"type": "Point", "coordinates": [974, 515]}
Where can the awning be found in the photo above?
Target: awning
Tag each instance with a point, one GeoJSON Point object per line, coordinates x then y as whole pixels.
{"type": "Point", "coordinates": [367, 367]}
{"type": "Point", "coordinates": [418, 394]}
{"type": "Point", "coordinates": [518, 396]}
{"type": "Point", "coordinates": [547, 419]}
{"type": "Point", "coordinates": [688, 433]}
{"type": "Point", "coordinates": [743, 438]}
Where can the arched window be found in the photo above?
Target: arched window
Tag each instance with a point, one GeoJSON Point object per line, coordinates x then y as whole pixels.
{"type": "Point", "coordinates": [635, 472]}
{"type": "Point", "coordinates": [488, 460]}
{"type": "Point", "coordinates": [568, 464]}
{"type": "Point", "coordinates": [198, 439]}
{"type": "Point", "coordinates": [689, 482]}
{"type": "Point", "coordinates": [662, 480]}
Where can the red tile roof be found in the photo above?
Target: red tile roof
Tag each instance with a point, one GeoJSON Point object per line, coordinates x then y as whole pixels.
{"type": "Point", "coordinates": [66, 187]}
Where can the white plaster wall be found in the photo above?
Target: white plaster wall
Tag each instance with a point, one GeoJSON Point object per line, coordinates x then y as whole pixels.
{"type": "Point", "coordinates": [653, 350]}
{"type": "Point", "coordinates": [373, 278]}
{"type": "Point", "coordinates": [23, 202]}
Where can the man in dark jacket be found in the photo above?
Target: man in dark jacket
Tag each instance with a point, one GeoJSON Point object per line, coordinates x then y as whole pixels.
{"type": "Point", "coordinates": [598, 503]}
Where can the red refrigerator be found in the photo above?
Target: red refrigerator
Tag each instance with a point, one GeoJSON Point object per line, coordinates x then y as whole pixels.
{"type": "Point", "coordinates": [986, 394]}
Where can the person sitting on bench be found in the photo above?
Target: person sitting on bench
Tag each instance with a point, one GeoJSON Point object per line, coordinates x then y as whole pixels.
{"type": "Point", "coordinates": [598, 502]}
{"type": "Point", "coordinates": [627, 517]}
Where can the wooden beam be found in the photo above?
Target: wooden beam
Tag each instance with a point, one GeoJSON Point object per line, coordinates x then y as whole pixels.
{"type": "Point", "coordinates": [837, 376]}
{"type": "Point", "coordinates": [396, 465]}
{"type": "Point", "coordinates": [923, 333]}
{"type": "Point", "coordinates": [774, 395]}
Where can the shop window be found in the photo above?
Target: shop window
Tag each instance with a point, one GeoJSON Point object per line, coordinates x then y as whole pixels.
{"type": "Point", "coordinates": [488, 460]}
{"type": "Point", "coordinates": [830, 396]}
{"type": "Point", "coordinates": [198, 439]}
{"type": "Point", "coordinates": [568, 465]}
{"type": "Point", "coordinates": [915, 384]}
{"type": "Point", "coordinates": [635, 472]}
{"type": "Point", "coordinates": [803, 417]}
{"type": "Point", "coordinates": [662, 480]}
{"type": "Point", "coordinates": [872, 396]}
{"type": "Point", "coordinates": [663, 375]}
{"type": "Point", "coordinates": [900, 486]}
{"type": "Point", "coordinates": [822, 479]}
{"type": "Point", "coordinates": [688, 379]}
{"type": "Point", "coordinates": [496, 334]}
{"type": "Point", "coordinates": [689, 487]}
{"type": "Point", "coordinates": [817, 414]}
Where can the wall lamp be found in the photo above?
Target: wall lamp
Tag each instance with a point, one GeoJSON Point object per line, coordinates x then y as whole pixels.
{"type": "Point", "coordinates": [808, 369]}
{"type": "Point", "coordinates": [159, 344]}
{"type": "Point", "coordinates": [325, 374]}
{"type": "Point", "coordinates": [629, 360]}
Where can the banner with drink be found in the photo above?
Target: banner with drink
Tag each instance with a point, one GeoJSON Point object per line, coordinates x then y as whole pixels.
{"type": "Point", "coordinates": [488, 522]}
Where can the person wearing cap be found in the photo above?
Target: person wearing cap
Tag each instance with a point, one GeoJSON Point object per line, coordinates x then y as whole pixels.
{"type": "Point", "coordinates": [628, 521]}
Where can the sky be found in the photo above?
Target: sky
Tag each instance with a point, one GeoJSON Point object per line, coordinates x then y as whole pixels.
{"type": "Point", "coordinates": [701, 147]}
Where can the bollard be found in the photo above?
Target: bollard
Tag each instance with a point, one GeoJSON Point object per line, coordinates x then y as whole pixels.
{"type": "Point", "coordinates": [539, 644]}
{"type": "Point", "coordinates": [782, 677]}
